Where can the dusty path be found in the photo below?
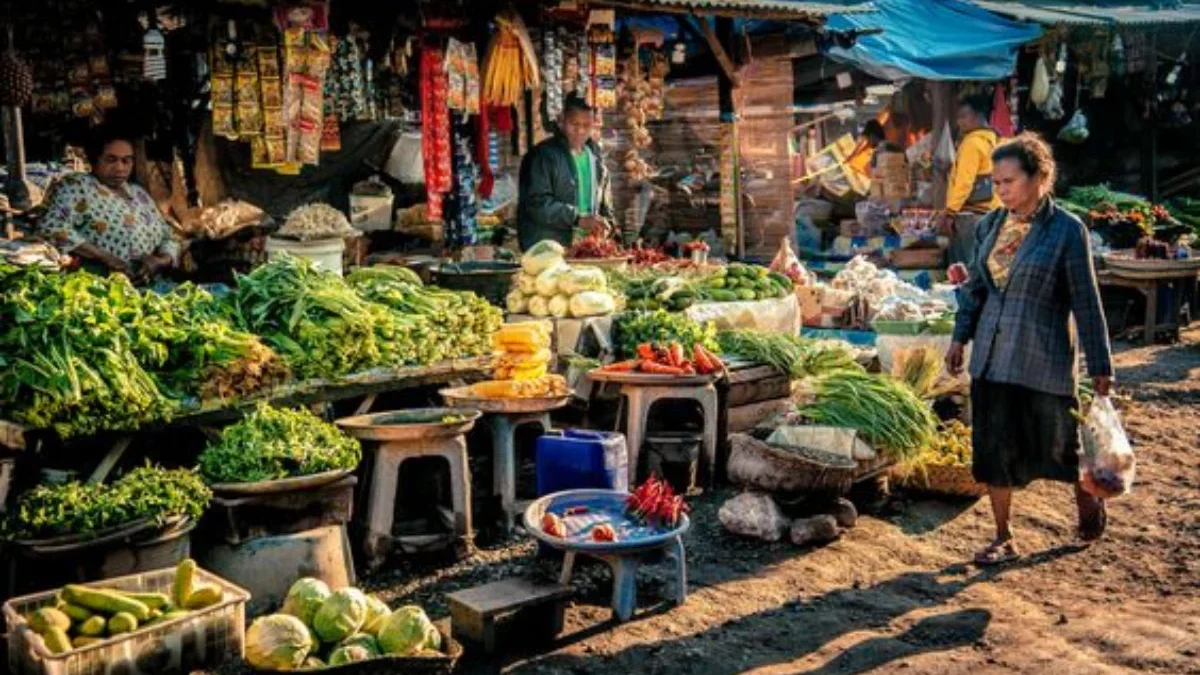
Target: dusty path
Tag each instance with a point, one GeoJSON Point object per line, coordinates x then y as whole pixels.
{"type": "Point", "coordinates": [893, 596]}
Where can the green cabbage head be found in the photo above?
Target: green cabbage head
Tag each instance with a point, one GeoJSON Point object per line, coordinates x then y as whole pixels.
{"type": "Point", "coordinates": [362, 640]}
{"type": "Point", "coordinates": [341, 615]}
{"type": "Point", "coordinates": [377, 611]}
{"type": "Point", "coordinates": [304, 598]}
{"type": "Point", "coordinates": [312, 663]}
{"type": "Point", "coordinates": [408, 630]}
{"type": "Point", "coordinates": [351, 654]}
{"type": "Point", "coordinates": [277, 642]}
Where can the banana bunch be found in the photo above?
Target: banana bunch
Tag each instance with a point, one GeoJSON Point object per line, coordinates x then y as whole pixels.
{"type": "Point", "coordinates": [510, 66]}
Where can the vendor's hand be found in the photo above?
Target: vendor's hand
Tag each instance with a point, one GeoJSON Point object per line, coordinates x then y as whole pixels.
{"type": "Point", "coordinates": [594, 225]}
{"type": "Point", "coordinates": [954, 358]}
{"type": "Point", "coordinates": [148, 266]}
{"type": "Point", "coordinates": [1102, 385]}
{"type": "Point", "coordinates": [945, 224]}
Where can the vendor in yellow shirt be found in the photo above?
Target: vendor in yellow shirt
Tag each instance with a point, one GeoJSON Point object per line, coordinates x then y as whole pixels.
{"type": "Point", "coordinates": [970, 194]}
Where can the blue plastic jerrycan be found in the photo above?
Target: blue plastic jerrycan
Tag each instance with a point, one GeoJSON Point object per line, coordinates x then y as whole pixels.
{"type": "Point", "coordinates": [579, 459]}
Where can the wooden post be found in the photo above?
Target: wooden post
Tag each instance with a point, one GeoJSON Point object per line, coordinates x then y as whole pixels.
{"type": "Point", "coordinates": [726, 98]}
{"type": "Point", "coordinates": [14, 144]}
{"type": "Point", "coordinates": [943, 111]}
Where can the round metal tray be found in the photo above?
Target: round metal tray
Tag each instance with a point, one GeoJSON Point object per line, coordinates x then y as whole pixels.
{"type": "Point", "coordinates": [603, 506]}
{"type": "Point", "coordinates": [461, 397]}
{"type": "Point", "coordinates": [267, 487]}
{"type": "Point", "coordinates": [602, 263]}
{"type": "Point", "coordinates": [1123, 263]}
{"type": "Point", "coordinates": [408, 425]}
{"type": "Point", "coordinates": [651, 378]}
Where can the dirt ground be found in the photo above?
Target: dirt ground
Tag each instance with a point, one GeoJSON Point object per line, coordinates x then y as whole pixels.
{"type": "Point", "coordinates": [894, 594]}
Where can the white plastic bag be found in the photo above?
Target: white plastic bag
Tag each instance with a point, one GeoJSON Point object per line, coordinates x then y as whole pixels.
{"type": "Point", "coordinates": [1106, 463]}
{"type": "Point", "coordinates": [754, 514]}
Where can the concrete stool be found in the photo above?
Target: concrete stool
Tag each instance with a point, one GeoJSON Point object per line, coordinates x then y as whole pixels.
{"type": "Point", "coordinates": [385, 483]}
{"type": "Point", "coordinates": [640, 397]}
{"type": "Point", "coordinates": [503, 427]}
{"type": "Point", "coordinates": [537, 610]}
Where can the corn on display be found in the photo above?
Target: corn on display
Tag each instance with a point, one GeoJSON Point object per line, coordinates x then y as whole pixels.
{"type": "Point", "coordinates": [522, 350]}
{"type": "Point", "coordinates": [545, 386]}
{"type": "Point", "coordinates": [510, 66]}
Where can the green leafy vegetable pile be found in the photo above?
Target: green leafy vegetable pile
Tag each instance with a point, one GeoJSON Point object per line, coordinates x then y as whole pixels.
{"type": "Point", "coordinates": [795, 356]}
{"type": "Point", "coordinates": [274, 443]}
{"type": "Point", "coordinates": [86, 508]}
{"type": "Point", "coordinates": [884, 410]}
{"type": "Point", "coordinates": [662, 327]}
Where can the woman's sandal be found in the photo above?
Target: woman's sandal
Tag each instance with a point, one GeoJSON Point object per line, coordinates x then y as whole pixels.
{"type": "Point", "coordinates": [998, 552]}
{"type": "Point", "coordinates": [1092, 525]}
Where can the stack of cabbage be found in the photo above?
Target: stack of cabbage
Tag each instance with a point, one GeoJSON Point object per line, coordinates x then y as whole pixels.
{"type": "Point", "coordinates": [548, 286]}
{"type": "Point", "coordinates": [316, 628]}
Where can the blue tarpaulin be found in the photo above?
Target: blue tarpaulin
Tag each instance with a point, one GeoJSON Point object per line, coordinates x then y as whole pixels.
{"type": "Point", "coordinates": [932, 39]}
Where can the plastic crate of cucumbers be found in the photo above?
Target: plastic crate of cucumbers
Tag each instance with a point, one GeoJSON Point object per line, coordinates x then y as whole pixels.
{"type": "Point", "coordinates": [170, 620]}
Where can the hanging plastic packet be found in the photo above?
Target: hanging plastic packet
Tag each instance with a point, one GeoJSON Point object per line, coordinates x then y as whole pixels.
{"type": "Point", "coordinates": [1076, 130]}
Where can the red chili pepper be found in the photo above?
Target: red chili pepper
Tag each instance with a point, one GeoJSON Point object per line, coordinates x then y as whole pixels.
{"type": "Point", "coordinates": [575, 511]}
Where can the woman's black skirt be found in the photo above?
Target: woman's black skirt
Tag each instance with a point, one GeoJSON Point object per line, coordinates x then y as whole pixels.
{"type": "Point", "coordinates": [1020, 435]}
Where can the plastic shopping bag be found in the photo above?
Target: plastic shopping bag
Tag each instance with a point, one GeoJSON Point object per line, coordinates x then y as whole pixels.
{"type": "Point", "coordinates": [1107, 464]}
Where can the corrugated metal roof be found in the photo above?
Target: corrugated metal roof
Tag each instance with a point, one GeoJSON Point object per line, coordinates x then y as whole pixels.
{"type": "Point", "coordinates": [797, 7]}
{"type": "Point", "coordinates": [1055, 12]}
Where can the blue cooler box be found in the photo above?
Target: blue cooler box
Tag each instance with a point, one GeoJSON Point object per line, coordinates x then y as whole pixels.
{"type": "Point", "coordinates": [580, 459]}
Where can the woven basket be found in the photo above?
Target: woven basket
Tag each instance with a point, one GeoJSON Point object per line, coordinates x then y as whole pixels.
{"type": "Point", "coordinates": [773, 468]}
{"type": "Point", "coordinates": [952, 481]}
{"type": "Point", "coordinates": [452, 651]}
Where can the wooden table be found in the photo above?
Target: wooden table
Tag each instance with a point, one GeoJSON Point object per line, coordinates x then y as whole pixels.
{"type": "Point", "coordinates": [1183, 281]}
{"type": "Point", "coordinates": [367, 385]}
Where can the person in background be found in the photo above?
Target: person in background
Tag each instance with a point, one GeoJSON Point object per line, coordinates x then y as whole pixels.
{"type": "Point", "coordinates": [564, 183]}
{"type": "Point", "coordinates": [107, 220]}
{"type": "Point", "coordinates": [1031, 272]}
{"type": "Point", "coordinates": [876, 138]}
{"type": "Point", "coordinates": [971, 193]}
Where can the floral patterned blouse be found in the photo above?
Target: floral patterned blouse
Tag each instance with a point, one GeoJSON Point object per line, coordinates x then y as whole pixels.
{"type": "Point", "coordinates": [1012, 234]}
{"type": "Point", "coordinates": [125, 222]}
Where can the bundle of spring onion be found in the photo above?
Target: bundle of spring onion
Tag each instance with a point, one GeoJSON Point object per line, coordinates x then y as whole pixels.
{"type": "Point", "coordinates": [790, 354]}
{"type": "Point", "coordinates": [884, 410]}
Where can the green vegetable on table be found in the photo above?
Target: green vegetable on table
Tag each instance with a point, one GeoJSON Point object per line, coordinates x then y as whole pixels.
{"type": "Point", "coordinates": [634, 328]}
{"type": "Point", "coordinates": [274, 443]}
{"type": "Point", "coordinates": [792, 355]}
{"type": "Point", "coordinates": [884, 410]}
{"type": "Point", "coordinates": [86, 508]}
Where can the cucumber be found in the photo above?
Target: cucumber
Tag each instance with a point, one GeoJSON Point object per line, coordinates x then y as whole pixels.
{"type": "Point", "coordinates": [85, 641]}
{"type": "Point", "coordinates": [105, 601]}
{"type": "Point", "coordinates": [122, 622]}
{"type": "Point", "coordinates": [723, 295]}
{"type": "Point", "coordinates": [42, 620]}
{"type": "Point", "coordinates": [185, 580]}
{"type": "Point", "coordinates": [204, 596]}
{"type": "Point", "coordinates": [56, 640]}
{"type": "Point", "coordinates": [716, 283]}
{"type": "Point", "coordinates": [93, 627]}
{"type": "Point", "coordinates": [745, 294]}
{"type": "Point", "coordinates": [76, 612]}
{"type": "Point", "coordinates": [151, 600]}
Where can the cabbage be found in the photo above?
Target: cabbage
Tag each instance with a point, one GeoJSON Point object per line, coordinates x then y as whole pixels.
{"type": "Point", "coordinates": [582, 279]}
{"type": "Point", "coordinates": [277, 642]}
{"type": "Point", "coordinates": [547, 282]}
{"type": "Point", "coordinates": [527, 283]}
{"type": "Point", "coordinates": [516, 302]}
{"type": "Point", "coordinates": [592, 303]}
{"type": "Point", "coordinates": [539, 306]}
{"type": "Point", "coordinates": [407, 631]}
{"type": "Point", "coordinates": [377, 611]}
{"type": "Point", "coordinates": [312, 663]}
{"type": "Point", "coordinates": [541, 256]}
{"type": "Point", "coordinates": [559, 306]}
{"type": "Point", "coordinates": [304, 598]}
{"type": "Point", "coordinates": [363, 640]}
{"type": "Point", "coordinates": [351, 654]}
{"type": "Point", "coordinates": [341, 615]}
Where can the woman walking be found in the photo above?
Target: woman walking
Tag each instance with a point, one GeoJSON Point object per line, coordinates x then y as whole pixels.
{"type": "Point", "coordinates": [1031, 273]}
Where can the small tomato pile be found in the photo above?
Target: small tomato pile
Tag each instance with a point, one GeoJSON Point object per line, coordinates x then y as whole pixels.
{"type": "Point", "coordinates": [646, 256]}
{"type": "Point", "coordinates": [655, 503]}
{"type": "Point", "coordinates": [672, 359]}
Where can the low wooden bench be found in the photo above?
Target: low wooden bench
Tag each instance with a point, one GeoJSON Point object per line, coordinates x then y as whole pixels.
{"type": "Point", "coordinates": [537, 607]}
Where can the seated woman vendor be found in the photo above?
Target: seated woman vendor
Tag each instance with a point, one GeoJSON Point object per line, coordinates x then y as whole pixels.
{"type": "Point", "coordinates": [108, 221]}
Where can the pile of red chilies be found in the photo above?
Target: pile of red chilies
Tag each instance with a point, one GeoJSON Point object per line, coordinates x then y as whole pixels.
{"type": "Point", "coordinates": [655, 503]}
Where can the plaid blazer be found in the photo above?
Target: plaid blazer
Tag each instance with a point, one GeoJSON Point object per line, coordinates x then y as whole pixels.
{"type": "Point", "coordinates": [1021, 334]}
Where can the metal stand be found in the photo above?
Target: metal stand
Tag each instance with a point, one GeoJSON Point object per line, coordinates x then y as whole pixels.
{"type": "Point", "coordinates": [625, 567]}
{"type": "Point", "coordinates": [503, 427]}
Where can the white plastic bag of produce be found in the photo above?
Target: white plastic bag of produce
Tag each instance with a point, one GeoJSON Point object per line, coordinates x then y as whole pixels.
{"type": "Point", "coordinates": [516, 302]}
{"type": "Point", "coordinates": [559, 306]}
{"type": "Point", "coordinates": [541, 256]}
{"type": "Point", "coordinates": [539, 306]}
{"type": "Point", "coordinates": [582, 279]}
{"type": "Point", "coordinates": [547, 281]}
{"type": "Point", "coordinates": [592, 303]}
{"type": "Point", "coordinates": [1107, 463]}
{"type": "Point", "coordinates": [754, 514]}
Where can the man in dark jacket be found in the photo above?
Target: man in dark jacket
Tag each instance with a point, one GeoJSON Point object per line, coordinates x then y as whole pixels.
{"type": "Point", "coordinates": [564, 185]}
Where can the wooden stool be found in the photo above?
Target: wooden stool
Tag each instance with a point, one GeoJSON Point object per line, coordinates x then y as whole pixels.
{"type": "Point", "coordinates": [473, 612]}
{"type": "Point", "coordinates": [640, 397]}
{"type": "Point", "coordinates": [504, 456]}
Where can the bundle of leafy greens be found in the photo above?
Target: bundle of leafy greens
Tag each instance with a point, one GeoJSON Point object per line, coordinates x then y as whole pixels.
{"type": "Point", "coordinates": [86, 508]}
{"type": "Point", "coordinates": [275, 443]}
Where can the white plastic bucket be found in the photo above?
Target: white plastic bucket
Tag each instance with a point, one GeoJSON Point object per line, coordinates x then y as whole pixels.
{"type": "Point", "coordinates": [324, 253]}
